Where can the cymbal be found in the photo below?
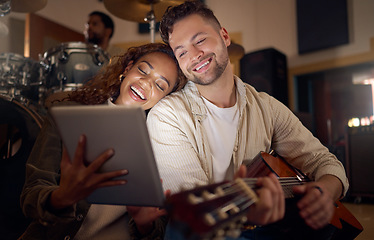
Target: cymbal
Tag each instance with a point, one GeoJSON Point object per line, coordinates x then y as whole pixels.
{"type": "Point", "coordinates": [235, 50]}
{"type": "Point", "coordinates": [25, 6]}
{"type": "Point", "coordinates": [137, 10]}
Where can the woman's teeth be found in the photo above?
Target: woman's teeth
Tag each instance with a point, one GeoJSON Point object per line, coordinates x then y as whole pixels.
{"type": "Point", "coordinates": [137, 92]}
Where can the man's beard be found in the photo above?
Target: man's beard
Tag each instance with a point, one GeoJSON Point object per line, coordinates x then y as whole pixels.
{"type": "Point", "coordinates": [95, 40]}
{"type": "Point", "coordinates": [217, 72]}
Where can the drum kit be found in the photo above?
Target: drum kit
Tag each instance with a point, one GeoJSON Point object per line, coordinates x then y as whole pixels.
{"type": "Point", "coordinates": [69, 65]}
{"type": "Point", "coordinates": [27, 86]}
{"type": "Point", "coordinates": [31, 85]}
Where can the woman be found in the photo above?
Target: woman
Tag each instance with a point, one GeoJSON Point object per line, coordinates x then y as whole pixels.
{"type": "Point", "coordinates": [56, 186]}
{"type": "Point", "coordinates": [108, 85]}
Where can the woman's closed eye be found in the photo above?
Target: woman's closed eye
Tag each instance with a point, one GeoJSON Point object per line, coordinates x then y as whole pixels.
{"type": "Point", "coordinates": [159, 87]}
{"type": "Point", "coordinates": [161, 84]}
{"type": "Point", "coordinates": [142, 71]}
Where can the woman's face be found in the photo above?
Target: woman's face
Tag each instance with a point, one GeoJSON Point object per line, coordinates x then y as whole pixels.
{"type": "Point", "coordinates": [151, 78]}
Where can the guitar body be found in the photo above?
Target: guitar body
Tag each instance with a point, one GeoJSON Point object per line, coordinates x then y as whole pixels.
{"type": "Point", "coordinates": [343, 226]}
{"type": "Point", "coordinates": [220, 209]}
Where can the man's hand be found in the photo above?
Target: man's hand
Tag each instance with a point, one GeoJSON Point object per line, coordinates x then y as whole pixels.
{"type": "Point", "coordinates": [317, 204]}
{"type": "Point", "coordinates": [270, 206]}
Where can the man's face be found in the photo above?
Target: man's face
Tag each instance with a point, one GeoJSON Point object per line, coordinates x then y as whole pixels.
{"type": "Point", "coordinates": [201, 49]}
{"type": "Point", "coordinates": [94, 30]}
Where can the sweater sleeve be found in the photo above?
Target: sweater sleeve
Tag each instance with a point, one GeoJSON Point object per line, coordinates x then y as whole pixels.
{"type": "Point", "coordinates": [300, 148]}
{"type": "Point", "coordinates": [42, 176]}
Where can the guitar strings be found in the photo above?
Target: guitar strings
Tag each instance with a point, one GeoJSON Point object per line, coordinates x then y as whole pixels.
{"type": "Point", "coordinates": [241, 202]}
{"type": "Point", "coordinates": [287, 183]}
{"type": "Point", "coordinates": [251, 182]}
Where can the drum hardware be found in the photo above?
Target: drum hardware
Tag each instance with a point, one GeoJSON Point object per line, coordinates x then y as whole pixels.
{"type": "Point", "coordinates": [63, 56]}
{"type": "Point", "coordinates": [151, 19]}
{"type": "Point", "coordinates": [142, 11]}
{"type": "Point", "coordinates": [137, 10]}
{"type": "Point", "coordinates": [100, 59]}
{"type": "Point", "coordinates": [4, 7]}
{"type": "Point", "coordinates": [61, 77]}
{"type": "Point", "coordinates": [19, 76]}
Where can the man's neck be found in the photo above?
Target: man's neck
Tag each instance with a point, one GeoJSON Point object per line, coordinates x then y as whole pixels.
{"type": "Point", "coordinates": [222, 92]}
{"type": "Point", "coordinates": [104, 45]}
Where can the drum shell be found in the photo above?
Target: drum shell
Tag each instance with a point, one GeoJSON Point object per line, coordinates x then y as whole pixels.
{"type": "Point", "coordinates": [71, 64]}
{"type": "Point", "coordinates": [19, 127]}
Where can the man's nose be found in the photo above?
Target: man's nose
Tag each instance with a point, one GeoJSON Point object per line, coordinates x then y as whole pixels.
{"type": "Point", "coordinates": [195, 53]}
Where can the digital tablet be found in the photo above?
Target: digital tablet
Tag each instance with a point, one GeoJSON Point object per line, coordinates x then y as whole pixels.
{"type": "Point", "coordinates": [124, 129]}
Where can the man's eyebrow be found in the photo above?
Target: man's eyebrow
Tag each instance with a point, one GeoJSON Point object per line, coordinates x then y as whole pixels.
{"type": "Point", "coordinates": [191, 40]}
{"type": "Point", "coordinates": [151, 67]}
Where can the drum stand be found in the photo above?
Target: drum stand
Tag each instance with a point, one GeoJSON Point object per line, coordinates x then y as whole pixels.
{"type": "Point", "coordinates": [152, 23]}
{"type": "Point", "coordinates": [138, 11]}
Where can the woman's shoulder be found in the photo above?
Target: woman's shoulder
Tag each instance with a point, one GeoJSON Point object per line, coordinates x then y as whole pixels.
{"type": "Point", "coordinates": [172, 100]}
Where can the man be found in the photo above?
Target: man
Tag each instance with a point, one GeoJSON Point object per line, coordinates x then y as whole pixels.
{"type": "Point", "coordinates": [203, 133]}
{"type": "Point", "coordinates": [99, 30]}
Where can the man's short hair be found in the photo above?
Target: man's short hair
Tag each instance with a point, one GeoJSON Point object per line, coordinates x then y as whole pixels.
{"type": "Point", "coordinates": [174, 14]}
{"type": "Point", "coordinates": [108, 22]}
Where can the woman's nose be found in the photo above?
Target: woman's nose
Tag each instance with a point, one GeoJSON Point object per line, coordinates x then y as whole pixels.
{"type": "Point", "coordinates": [146, 83]}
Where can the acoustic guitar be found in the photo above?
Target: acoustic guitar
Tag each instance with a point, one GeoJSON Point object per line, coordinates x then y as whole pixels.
{"type": "Point", "coordinates": [220, 209]}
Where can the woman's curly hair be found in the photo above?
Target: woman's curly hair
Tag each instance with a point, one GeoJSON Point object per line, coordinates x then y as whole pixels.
{"type": "Point", "coordinates": [106, 83]}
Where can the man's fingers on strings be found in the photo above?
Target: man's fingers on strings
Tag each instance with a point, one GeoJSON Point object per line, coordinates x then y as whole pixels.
{"type": "Point", "coordinates": [242, 172]}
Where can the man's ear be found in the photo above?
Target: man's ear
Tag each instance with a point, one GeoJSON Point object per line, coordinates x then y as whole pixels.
{"type": "Point", "coordinates": [225, 36]}
{"type": "Point", "coordinates": [108, 32]}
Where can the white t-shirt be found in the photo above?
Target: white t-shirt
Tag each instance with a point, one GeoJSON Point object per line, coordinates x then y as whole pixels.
{"type": "Point", "coordinates": [220, 126]}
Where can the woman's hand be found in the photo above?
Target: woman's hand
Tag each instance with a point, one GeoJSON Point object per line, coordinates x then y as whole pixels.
{"type": "Point", "coordinates": [145, 216]}
{"type": "Point", "coordinates": [79, 180]}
